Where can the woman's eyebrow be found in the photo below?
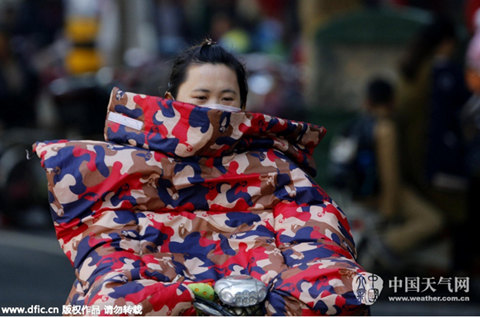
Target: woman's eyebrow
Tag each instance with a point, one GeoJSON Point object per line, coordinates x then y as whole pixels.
{"type": "Point", "coordinates": [208, 90]}
{"type": "Point", "coordinates": [229, 91]}
{"type": "Point", "coordinates": [201, 90]}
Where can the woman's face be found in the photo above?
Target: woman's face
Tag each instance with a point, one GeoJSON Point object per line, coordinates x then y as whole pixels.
{"type": "Point", "coordinates": [210, 84]}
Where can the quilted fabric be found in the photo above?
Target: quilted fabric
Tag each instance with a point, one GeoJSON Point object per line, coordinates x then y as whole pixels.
{"type": "Point", "coordinates": [179, 194]}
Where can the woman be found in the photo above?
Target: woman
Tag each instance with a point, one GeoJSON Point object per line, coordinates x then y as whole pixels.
{"type": "Point", "coordinates": [190, 189]}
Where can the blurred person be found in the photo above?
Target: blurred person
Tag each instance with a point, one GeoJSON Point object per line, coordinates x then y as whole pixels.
{"type": "Point", "coordinates": [466, 258]}
{"type": "Point", "coordinates": [365, 163]}
{"type": "Point", "coordinates": [275, 87]}
{"type": "Point", "coordinates": [470, 14]}
{"type": "Point", "coordinates": [433, 148]}
{"type": "Point", "coordinates": [230, 30]}
{"type": "Point", "coordinates": [445, 168]}
{"type": "Point", "coordinates": [412, 101]}
{"type": "Point", "coordinates": [19, 84]}
{"type": "Point", "coordinates": [39, 24]}
{"type": "Point", "coordinates": [236, 202]}
{"type": "Point", "coordinates": [171, 26]}
{"type": "Point", "coordinates": [430, 92]}
{"type": "Point", "coordinates": [278, 29]}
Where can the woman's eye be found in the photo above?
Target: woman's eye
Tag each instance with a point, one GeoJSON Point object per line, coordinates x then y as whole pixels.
{"type": "Point", "coordinates": [228, 99]}
{"type": "Point", "coordinates": [200, 97]}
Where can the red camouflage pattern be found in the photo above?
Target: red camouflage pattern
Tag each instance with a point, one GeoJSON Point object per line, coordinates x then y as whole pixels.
{"type": "Point", "coordinates": [180, 194]}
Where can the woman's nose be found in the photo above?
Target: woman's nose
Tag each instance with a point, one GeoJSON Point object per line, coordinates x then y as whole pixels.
{"type": "Point", "coordinates": [214, 101]}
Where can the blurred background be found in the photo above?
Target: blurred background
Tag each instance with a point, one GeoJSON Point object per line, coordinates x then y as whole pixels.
{"type": "Point", "coordinates": [309, 60]}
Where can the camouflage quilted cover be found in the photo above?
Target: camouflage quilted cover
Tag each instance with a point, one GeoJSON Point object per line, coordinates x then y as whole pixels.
{"type": "Point", "coordinates": [179, 194]}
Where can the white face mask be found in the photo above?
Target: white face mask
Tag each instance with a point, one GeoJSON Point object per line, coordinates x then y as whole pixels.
{"type": "Point", "coordinates": [221, 107]}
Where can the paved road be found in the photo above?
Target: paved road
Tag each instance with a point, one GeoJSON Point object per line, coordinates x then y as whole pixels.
{"type": "Point", "coordinates": [33, 270]}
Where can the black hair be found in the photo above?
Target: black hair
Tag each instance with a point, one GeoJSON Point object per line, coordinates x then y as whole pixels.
{"type": "Point", "coordinates": [380, 92]}
{"type": "Point", "coordinates": [204, 53]}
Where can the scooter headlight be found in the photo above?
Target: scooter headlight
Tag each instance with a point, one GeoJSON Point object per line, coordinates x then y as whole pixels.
{"type": "Point", "coordinates": [226, 297]}
{"type": "Point", "coordinates": [240, 290]}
